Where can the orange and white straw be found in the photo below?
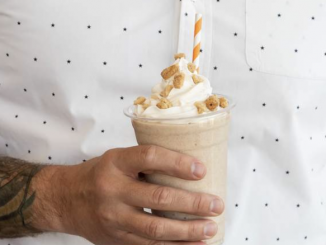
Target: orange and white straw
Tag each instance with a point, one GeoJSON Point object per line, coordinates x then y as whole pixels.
{"type": "Point", "coordinates": [197, 40]}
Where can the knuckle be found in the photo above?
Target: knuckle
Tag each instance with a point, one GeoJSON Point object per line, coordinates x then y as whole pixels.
{"type": "Point", "coordinates": [103, 216]}
{"type": "Point", "coordinates": [162, 196]}
{"type": "Point", "coordinates": [178, 162]}
{"type": "Point", "coordinates": [147, 153]}
{"type": "Point", "coordinates": [192, 231]}
{"type": "Point", "coordinates": [120, 219]}
{"type": "Point", "coordinates": [107, 156]}
{"type": "Point", "coordinates": [123, 236]}
{"type": "Point", "coordinates": [101, 187]}
{"type": "Point", "coordinates": [155, 229]}
{"type": "Point", "coordinates": [111, 157]}
{"type": "Point", "coordinates": [108, 217]}
{"type": "Point", "coordinates": [199, 203]}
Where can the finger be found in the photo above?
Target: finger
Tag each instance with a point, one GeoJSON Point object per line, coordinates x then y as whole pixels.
{"type": "Point", "coordinates": [154, 159]}
{"type": "Point", "coordinates": [132, 239]}
{"type": "Point", "coordinates": [157, 228]}
{"type": "Point", "coordinates": [140, 194]}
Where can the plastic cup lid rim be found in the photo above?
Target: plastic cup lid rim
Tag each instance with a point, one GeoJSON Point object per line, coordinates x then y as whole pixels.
{"type": "Point", "coordinates": [129, 112]}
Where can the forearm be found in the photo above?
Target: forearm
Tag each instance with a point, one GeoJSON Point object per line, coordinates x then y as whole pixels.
{"type": "Point", "coordinates": [29, 198]}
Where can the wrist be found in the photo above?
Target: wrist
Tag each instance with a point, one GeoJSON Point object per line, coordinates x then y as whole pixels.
{"type": "Point", "coordinates": [52, 202]}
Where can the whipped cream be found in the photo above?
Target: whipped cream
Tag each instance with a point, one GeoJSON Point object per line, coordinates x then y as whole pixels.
{"type": "Point", "coordinates": [182, 99]}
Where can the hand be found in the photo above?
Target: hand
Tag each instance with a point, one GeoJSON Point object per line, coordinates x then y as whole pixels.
{"type": "Point", "coordinates": [106, 199]}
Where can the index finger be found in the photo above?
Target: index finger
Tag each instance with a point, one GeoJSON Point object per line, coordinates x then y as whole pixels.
{"type": "Point", "coordinates": [151, 159]}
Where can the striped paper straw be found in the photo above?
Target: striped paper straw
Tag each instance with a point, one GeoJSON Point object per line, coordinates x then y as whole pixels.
{"type": "Point", "coordinates": [197, 40]}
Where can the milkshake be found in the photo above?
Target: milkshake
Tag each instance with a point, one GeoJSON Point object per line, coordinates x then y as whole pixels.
{"type": "Point", "coordinates": [183, 115]}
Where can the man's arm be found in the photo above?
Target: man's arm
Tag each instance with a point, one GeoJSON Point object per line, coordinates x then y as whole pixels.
{"type": "Point", "coordinates": [102, 199]}
{"type": "Point", "coordinates": [18, 192]}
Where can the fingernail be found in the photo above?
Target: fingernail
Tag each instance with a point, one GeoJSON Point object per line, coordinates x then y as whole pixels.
{"type": "Point", "coordinates": [210, 229]}
{"type": "Point", "coordinates": [217, 206]}
{"type": "Point", "coordinates": [198, 170]}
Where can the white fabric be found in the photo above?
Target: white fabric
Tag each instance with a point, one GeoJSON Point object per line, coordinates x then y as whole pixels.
{"type": "Point", "coordinates": [292, 37]}
{"type": "Point", "coordinates": [278, 134]}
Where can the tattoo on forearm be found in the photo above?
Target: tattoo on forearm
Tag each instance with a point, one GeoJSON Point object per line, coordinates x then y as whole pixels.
{"type": "Point", "coordinates": [17, 197]}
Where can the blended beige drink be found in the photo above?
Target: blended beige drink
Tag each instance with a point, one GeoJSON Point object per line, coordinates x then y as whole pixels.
{"type": "Point", "coordinates": [191, 120]}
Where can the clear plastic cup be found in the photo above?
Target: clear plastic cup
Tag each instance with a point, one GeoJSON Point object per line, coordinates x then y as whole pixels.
{"type": "Point", "coordinates": [206, 138]}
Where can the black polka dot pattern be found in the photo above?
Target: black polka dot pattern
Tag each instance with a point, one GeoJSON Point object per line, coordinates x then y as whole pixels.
{"type": "Point", "coordinates": [276, 44]}
{"type": "Point", "coordinates": [242, 80]}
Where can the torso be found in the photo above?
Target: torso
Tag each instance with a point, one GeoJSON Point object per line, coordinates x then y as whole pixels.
{"type": "Point", "coordinates": [72, 66]}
